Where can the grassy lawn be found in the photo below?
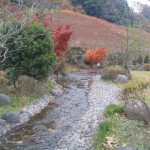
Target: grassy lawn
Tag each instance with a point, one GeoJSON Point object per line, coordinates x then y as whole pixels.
{"type": "Point", "coordinates": [72, 69]}
{"type": "Point", "coordinates": [131, 133]}
{"type": "Point", "coordinates": [118, 131]}
{"type": "Point", "coordinates": [125, 132]}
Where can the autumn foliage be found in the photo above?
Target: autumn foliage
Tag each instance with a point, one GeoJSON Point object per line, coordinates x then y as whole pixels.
{"type": "Point", "coordinates": [60, 35]}
{"type": "Point", "coordinates": [96, 56]}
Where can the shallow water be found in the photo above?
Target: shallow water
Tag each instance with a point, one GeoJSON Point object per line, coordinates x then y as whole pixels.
{"type": "Point", "coordinates": [44, 130]}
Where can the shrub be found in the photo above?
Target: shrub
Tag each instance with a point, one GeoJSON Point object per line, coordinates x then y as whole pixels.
{"type": "Point", "coordinates": [34, 58]}
{"type": "Point", "coordinates": [140, 59]}
{"type": "Point", "coordinates": [96, 56]}
{"type": "Point", "coordinates": [133, 90]}
{"type": "Point", "coordinates": [111, 72]}
{"type": "Point", "coordinates": [75, 54]}
{"type": "Point", "coordinates": [82, 66]}
{"type": "Point", "coordinates": [112, 109]}
{"type": "Point", "coordinates": [146, 60]}
{"type": "Point", "coordinates": [147, 67]}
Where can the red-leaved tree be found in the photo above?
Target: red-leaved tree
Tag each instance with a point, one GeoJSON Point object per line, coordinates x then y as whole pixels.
{"type": "Point", "coordinates": [61, 37]}
{"type": "Point", "coordinates": [96, 56]}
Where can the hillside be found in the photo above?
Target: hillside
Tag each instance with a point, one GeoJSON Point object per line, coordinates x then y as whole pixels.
{"type": "Point", "coordinates": [90, 32]}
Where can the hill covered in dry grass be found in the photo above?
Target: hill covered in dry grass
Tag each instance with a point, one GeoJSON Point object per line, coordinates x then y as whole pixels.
{"type": "Point", "coordinates": [91, 32]}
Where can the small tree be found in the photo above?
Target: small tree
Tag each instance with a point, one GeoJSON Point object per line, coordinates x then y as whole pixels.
{"type": "Point", "coordinates": [96, 56]}
{"type": "Point", "coordinates": [61, 36]}
{"type": "Point", "coordinates": [146, 60]}
{"type": "Point", "coordinates": [140, 59]}
{"type": "Point", "coordinates": [120, 58]}
{"type": "Point", "coordinates": [33, 59]}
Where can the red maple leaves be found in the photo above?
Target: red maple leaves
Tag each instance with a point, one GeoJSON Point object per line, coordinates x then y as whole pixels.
{"type": "Point", "coordinates": [60, 35]}
{"type": "Point", "coordinates": [96, 56]}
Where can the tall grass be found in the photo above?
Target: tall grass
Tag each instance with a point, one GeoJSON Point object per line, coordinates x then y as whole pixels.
{"type": "Point", "coordinates": [104, 128]}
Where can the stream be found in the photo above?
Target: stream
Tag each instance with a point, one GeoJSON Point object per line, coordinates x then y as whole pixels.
{"type": "Point", "coordinates": [45, 130]}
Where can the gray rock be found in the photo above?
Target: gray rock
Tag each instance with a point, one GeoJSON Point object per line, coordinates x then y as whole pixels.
{"type": "Point", "coordinates": [2, 122]}
{"type": "Point", "coordinates": [133, 67]}
{"type": "Point", "coordinates": [12, 117]}
{"type": "Point", "coordinates": [56, 92]}
{"type": "Point", "coordinates": [141, 68]}
{"type": "Point", "coordinates": [122, 78]}
{"type": "Point", "coordinates": [4, 100]}
{"type": "Point", "coordinates": [126, 148]}
{"type": "Point", "coordinates": [137, 110]}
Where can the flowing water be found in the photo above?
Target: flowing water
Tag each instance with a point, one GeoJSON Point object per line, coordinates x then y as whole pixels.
{"type": "Point", "coordinates": [44, 130]}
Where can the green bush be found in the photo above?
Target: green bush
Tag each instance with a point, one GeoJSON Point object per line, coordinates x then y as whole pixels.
{"type": "Point", "coordinates": [147, 67]}
{"type": "Point", "coordinates": [111, 72]}
{"type": "Point", "coordinates": [34, 54]}
{"type": "Point", "coordinates": [134, 90]}
{"type": "Point", "coordinates": [75, 55]}
{"type": "Point", "coordinates": [112, 109]}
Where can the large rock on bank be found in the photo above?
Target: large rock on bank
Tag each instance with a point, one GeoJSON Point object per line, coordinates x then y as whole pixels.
{"type": "Point", "coordinates": [4, 100]}
{"type": "Point", "coordinates": [12, 117]}
{"type": "Point", "coordinates": [122, 78]}
{"type": "Point", "coordinates": [137, 110]}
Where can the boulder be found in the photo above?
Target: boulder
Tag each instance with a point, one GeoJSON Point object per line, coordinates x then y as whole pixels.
{"type": "Point", "coordinates": [4, 100]}
{"type": "Point", "coordinates": [11, 117]}
{"type": "Point", "coordinates": [55, 92]}
{"type": "Point", "coordinates": [2, 122]}
{"type": "Point", "coordinates": [126, 148]}
{"type": "Point", "coordinates": [141, 68]}
{"type": "Point", "coordinates": [137, 110]}
{"type": "Point", "coordinates": [122, 78]}
{"type": "Point", "coordinates": [133, 67]}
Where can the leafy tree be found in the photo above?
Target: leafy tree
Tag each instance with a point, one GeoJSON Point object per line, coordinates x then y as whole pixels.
{"type": "Point", "coordinates": [33, 59]}
{"type": "Point", "coordinates": [61, 36]}
{"type": "Point", "coordinates": [145, 11]}
{"type": "Point", "coordinates": [96, 56]}
{"type": "Point", "coordinates": [116, 11]}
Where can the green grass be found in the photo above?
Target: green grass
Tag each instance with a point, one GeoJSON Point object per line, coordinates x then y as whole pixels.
{"type": "Point", "coordinates": [131, 133]}
{"type": "Point", "coordinates": [112, 109]}
{"type": "Point", "coordinates": [72, 70]}
{"type": "Point", "coordinates": [18, 102]}
{"type": "Point", "coordinates": [104, 128]}
{"type": "Point", "coordinates": [126, 132]}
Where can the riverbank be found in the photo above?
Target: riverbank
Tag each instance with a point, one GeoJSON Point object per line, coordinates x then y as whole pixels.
{"type": "Point", "coordinates": [73, 122]}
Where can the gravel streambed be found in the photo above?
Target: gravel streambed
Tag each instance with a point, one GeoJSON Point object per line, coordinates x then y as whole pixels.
{"type": "Point", "coordinates": [80, 138]}
{"type": "Point", "coordinates": [74, 120]}
{"type": "Point", "coordinates": [32, 109]}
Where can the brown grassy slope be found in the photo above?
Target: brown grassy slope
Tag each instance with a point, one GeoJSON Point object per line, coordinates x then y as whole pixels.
{"type": "Point", "coordinates": [92, 32]}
